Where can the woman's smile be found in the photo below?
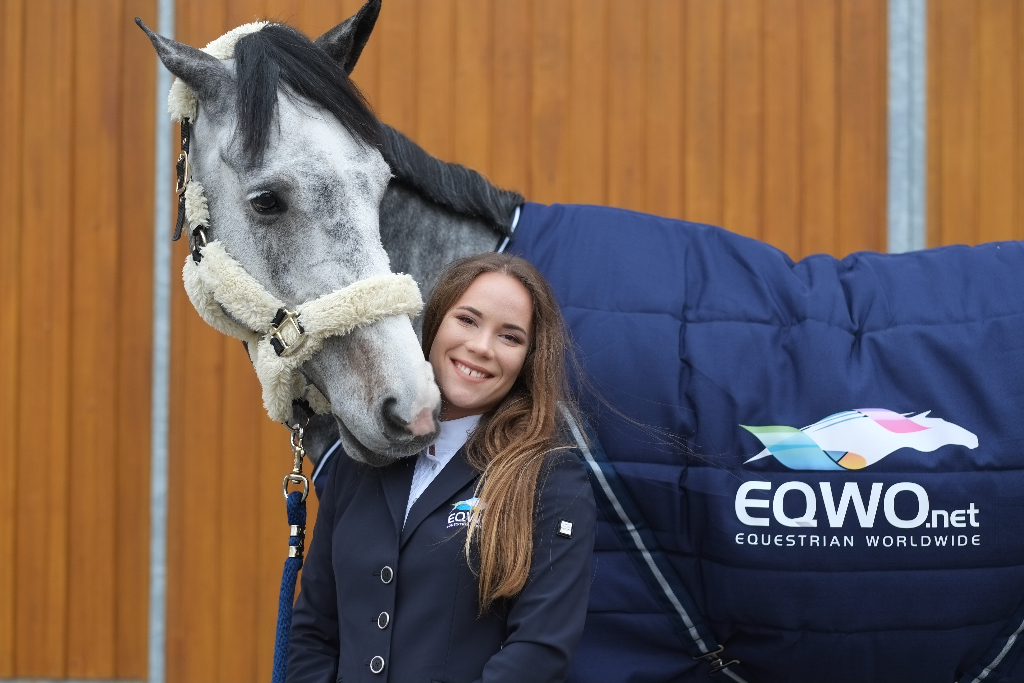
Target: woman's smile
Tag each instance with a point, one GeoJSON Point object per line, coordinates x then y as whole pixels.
{"type": "Point", "coordinates": [474, 372]}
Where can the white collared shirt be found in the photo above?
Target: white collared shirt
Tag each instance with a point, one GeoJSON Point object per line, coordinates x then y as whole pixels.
{"type": "Point", "coordinates": [454, 434]}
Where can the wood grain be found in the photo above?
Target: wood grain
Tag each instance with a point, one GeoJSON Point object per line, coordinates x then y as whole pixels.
{"type": "Point", "coordinates": [91, 635]}
{"type": "Point", "coordinates": [588, 117]}
{"type": "Point", "coordinates": [44, 322]}
{"type": "Point", "coordinates": [135, 282]}
{"type": "Point", "coordinates": [860, 218]}
{"type": "Point", "coordinates": [781, 221]}
{"type": "Point", "coordinates": [627, 100]}
{"type": "Point", "coordinates": [549, 149]}
{"type": "Point", "coordinates": [819, 112]}
{"type": "Point", "coordinates": [743, 119]}
{"type": "Point", "coordinates": [704, 113]}
{"type": "Point", "coordinates": [665, 135]}
{"type": "Point", "coordinates": [12, 46]}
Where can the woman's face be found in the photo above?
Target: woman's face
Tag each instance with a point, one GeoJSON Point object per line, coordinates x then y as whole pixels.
{"type": "Point", "coordinates": [481, 345]}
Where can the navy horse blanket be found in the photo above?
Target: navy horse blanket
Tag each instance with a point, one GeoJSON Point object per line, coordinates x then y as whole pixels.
{"type": "Point", "coordinates": [828, 460]}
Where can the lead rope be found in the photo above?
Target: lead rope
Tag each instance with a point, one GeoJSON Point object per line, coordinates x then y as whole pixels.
{"type": "Point", "coordinates": [296, 502]}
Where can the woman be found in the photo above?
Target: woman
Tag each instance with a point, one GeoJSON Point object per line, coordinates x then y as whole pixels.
{"type": "Point", "coordinates": [470, 562]}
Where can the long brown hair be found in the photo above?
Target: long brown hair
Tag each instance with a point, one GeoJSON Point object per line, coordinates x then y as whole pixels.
{"type": "Point", "coordinates": [509, 444]}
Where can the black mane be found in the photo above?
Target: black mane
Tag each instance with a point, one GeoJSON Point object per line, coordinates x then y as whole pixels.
{"type": "Point", "coordinates": [456, 187]}
{"type": "Point", "coordinates": [280, 53]}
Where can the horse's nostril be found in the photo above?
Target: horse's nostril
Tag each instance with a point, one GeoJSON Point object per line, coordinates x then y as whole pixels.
{"type": "Point", "coordinates": [391, 417]}
{"type": "Point", "coordinates": [420, 425]}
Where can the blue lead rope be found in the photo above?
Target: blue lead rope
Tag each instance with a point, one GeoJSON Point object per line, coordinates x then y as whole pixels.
{"type": "Point", "coordinates": [297, 520]}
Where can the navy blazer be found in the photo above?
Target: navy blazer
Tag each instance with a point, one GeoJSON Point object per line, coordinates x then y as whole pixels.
{"type": "Point", "coordinates": [380, 602]}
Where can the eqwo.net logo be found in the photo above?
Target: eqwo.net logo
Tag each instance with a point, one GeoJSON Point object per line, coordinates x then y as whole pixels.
{"type": "Point", "coordinates": [855, 439]}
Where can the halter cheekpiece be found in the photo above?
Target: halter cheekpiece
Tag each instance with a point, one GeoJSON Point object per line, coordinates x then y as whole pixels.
{"type": "Point", "coordinates": [228, 298]}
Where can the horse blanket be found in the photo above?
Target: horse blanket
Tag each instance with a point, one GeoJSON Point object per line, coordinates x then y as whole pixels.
{"type": "Point", "coordinates": [827, 453]}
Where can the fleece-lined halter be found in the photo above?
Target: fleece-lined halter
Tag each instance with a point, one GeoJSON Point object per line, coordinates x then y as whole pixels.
{"type": "Point", "coordinates": [230, 300]}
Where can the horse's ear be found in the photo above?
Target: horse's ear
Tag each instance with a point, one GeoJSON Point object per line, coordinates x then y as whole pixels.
{"type": "Point", "coordinates": [203, 73]}
{"type": "Point", "coordinates": [345, 42]}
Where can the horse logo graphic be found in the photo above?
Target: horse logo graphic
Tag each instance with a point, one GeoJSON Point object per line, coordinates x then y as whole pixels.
{"type": "Point", "coordinates": [462, 512]}
{"type": "Point", "coordinates": [854, 439]}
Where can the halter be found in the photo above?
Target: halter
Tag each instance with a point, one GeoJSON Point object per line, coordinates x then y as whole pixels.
{"type": "Point", "coordinates": [279, 340]}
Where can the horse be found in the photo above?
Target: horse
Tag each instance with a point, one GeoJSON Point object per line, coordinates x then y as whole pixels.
{"type": "Point", "coordinates": [714, 560]}
{"type": "Point", "coordinates": [284, 240]}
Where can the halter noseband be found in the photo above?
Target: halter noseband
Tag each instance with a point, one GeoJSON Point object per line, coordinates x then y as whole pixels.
{"type": "Point", "coordinates": [229, 299]}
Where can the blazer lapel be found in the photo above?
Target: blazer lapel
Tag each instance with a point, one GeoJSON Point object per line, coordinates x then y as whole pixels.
{"type": "Point", "coordinates": [455, 476]}
{"type": "Point", "coordinates": [397, 480]}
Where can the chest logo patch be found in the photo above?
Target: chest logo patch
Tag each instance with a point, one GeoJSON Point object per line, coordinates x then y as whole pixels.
{"type": "Point", "coordinates": [462, 512]}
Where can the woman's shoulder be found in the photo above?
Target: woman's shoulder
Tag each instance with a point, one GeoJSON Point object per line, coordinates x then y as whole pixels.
{"type": "Point", "coordinates": [564, 474]}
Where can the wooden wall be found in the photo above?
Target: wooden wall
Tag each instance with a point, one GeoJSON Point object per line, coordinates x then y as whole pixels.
{"type": "Point", "coordinates": [764, 116]}
{"type": "Point", "coordinates": [975, 121]}
{"type": "Point", "coordinates": [76, 193]}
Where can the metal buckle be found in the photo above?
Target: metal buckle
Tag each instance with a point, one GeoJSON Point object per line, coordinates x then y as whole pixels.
{"type": "Point", "coordinates": [286, 334]}
{"type": "Point", "coordinates": [299, 479]}
{"type": "Point", "coordinates": [186, 175]}
{"type": "Point", "coordinates": [714, 658]}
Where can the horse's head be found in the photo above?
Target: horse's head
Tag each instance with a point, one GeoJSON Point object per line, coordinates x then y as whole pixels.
{"type": "Point", "coordinates": [285, 154]}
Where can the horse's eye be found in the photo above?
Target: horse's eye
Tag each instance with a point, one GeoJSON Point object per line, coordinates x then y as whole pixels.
{"type": "Point", "coordinates": [265, 202]}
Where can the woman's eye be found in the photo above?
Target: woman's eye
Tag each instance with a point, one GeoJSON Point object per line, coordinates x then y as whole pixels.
{"type": "Point", "coordinates": [266, 202]}
{"type": "Point", "coordinates": [513, 338]}
{"type": "Point", "coordinates": [464, 319]}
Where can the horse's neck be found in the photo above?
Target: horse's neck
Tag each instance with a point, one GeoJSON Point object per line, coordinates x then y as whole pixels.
{"type": "Point", "coordinates": [421, 237]}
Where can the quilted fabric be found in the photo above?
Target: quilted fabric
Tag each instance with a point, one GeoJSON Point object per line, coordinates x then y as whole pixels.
{"type": "Point", "coordinates": [769, 391]}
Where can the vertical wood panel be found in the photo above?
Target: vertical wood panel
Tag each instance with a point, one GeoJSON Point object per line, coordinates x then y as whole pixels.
{"type": "Point", "coordinates": [704, 110]}
{"type": "Point", "coordinates": [782, 125]}
{"type": "Point", "coordinates": [627, 99]}
{"type": "Point", "coordinates": [91, 638]}
{"type": "Point", "coordinates": [549, 153]}
{"type": "Point", "coordinates": [12, 45]}
{"type": "Point", "coordinates": [974, 143]}
{"type": "Point", "coordinates": [588, 92]}
{"type": "Point", "coordinates": [239, 501]}
{"type": "Point", "coordinates": [819, 114]}
{"type": "Point", "coordinates": [665, 138]}
{"type": "Point", "coordinates": [743, 118]}
{"type": "Point", "coordinates": [513, 96]}
{"type": "Point", "coordinates": [433, 77]}
{"type": "Point", "coordinates": [996, 119]}
{"type": "Point", "coordinates": [396, 96]}
{"type": "Point", "coordinates": [44, 324]}
{"type": "Point", "coordinates": [472, 115]}
{"type": "Point", "coordinates": [138, 80]}
{"type": "Point", "coordinates": [860, 220]}
{"type": "Point", "coordinates": [958, 131]}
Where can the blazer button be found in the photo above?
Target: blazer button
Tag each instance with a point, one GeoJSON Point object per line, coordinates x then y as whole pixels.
{"type": "Point", "coordinates": [386, 574]}
{"type": "Point", "coordinates": [382, 620]}
{"type": "Point", "coordinates": [377, 664]}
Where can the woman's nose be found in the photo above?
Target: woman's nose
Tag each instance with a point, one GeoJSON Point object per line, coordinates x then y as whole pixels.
{"type": "Point", "coordinates": [479, 344]}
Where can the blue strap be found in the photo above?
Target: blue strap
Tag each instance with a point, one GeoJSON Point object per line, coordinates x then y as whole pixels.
{"type": "Point", "coordinates": [659, 575]}
{"type": "Point", "coordinates": [296, 518]}
{"type": "Point", "coordinates": [990, 666]}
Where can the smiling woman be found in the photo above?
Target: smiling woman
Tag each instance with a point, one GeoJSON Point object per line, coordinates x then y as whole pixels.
{"type": "Point", "coordinates": [481, 344]}
{"type": "Point", "coordinates": [474, 560]}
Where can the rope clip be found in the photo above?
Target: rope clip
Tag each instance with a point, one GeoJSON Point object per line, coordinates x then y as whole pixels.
{"type": "Point", "coordinates": [296, 476]}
